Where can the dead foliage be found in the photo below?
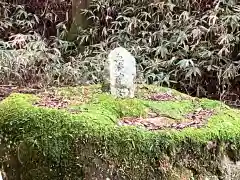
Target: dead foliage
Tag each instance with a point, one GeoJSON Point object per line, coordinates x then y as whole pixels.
{"type": "Point", "coordinates": [6, 90]}
{"type": "Point", "coordinates": [162, 97]}
{"type": "Point", "coordinates": [196, 120]}
{"type": "Point", "coordinates": [52, 101]}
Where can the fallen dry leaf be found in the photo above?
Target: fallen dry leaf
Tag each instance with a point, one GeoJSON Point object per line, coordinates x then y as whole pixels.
{"type": "Point", "coordinates": [162, 97]}
{"type": "Point", "coordinates": [6, 90]}
{"type": "Point", "coordinates": [196, 120]}
{"type": "Point", "coordinates": [53, 102]}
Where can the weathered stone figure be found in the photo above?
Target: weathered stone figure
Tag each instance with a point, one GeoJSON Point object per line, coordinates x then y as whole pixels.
{"type": "Point", "coordinates": [122, 70]}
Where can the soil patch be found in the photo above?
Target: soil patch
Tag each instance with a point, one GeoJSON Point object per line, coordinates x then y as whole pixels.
{"type": "Point", "coordinates": [196, 119]}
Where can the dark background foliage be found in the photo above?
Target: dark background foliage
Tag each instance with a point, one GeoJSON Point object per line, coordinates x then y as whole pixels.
{"type": "Point", "coordinates": [190, 45]}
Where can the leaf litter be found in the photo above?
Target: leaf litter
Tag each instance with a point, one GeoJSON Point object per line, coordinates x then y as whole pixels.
{"type": "Point", "coordinates": [52, 101]}
{"type": "Point", "coordinates": [196, 119]}
{"type": "Point", "coordinates": [6, 90]}
{"type": "Point", "coordinates": [162, 97]}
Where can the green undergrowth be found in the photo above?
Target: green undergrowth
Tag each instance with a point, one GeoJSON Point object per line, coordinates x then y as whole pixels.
{"type": "Point", "coordinates": [90, 144]}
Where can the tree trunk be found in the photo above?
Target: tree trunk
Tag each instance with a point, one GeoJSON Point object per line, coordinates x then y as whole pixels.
{"type": "Point", "coordinates": [78, 19]}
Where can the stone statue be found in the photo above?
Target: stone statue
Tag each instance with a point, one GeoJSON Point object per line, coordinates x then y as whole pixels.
{"type": "Point", "coordinates": [122, 73]}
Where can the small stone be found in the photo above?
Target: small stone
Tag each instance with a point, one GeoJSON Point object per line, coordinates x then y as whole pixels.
{"type": "Point", "coordinates": [122, 73]}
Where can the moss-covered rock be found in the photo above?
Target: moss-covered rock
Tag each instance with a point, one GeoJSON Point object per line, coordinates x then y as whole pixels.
{"type": "Point", "coordinates": [84, 140]}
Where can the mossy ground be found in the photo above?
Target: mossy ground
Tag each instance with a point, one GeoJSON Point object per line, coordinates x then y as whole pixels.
{"type": "Point", "coordinates": [89, 143]}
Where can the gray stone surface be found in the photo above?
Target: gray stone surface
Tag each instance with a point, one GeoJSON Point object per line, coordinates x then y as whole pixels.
{"type": "Point", "coordinates": [122, 71]}
{"type": "Point", "coordinates": [232, 169]}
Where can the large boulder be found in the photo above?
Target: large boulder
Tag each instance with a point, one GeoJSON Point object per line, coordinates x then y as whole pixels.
{"type": "Point", "coordinates": [83, 133]}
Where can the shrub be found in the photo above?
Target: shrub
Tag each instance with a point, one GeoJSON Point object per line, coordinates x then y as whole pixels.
{"type": "Point", "coordinates": [188, 45]}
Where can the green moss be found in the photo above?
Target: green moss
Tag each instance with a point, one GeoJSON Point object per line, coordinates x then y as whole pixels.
{"type": "Point", "coordinates": [173, 109]}
{"type": "Point", "coordinates": [78, 91]}
{"type": "Point", "coordinates": [211, 104]}
{"type": "Point", "coordinates": [76, 145]}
